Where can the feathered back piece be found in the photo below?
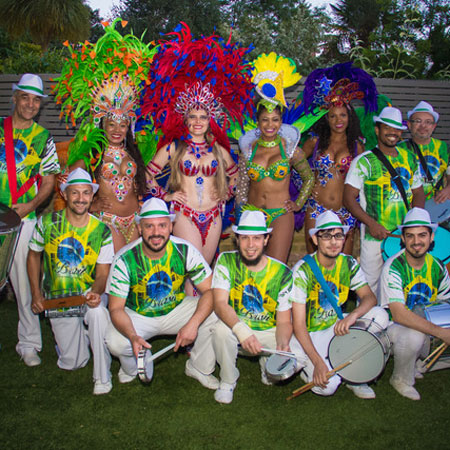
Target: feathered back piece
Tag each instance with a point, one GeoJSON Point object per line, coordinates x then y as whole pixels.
{"type": "Point", "coordinates": [272, 73]}
{"type": "Point", "coordinates": [337, 86]}
{"type": "Point", "coordinates": [204, 73]}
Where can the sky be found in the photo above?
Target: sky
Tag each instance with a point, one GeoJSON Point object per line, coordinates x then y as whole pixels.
{"type": "Point", "coordinates": [106, 5]}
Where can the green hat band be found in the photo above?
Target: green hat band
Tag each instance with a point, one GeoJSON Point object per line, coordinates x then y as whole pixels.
{"type": "Point", "coordinates": [30, 88]}
{"type": "Point", "coordinates": [79, 181]}
{"type": "Point", "coordinates": [331, 224]}
{"type": "Point", "coordinates": [154, 213]}
{"type": "Point", "coordinates": [394, 122]}
{"type": "Point", "coordinates": [417, 222]}
{"type": "Point", "coordinates": [251, 228]}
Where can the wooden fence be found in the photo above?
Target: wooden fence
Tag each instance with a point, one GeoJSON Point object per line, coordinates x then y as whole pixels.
{"type": "Point", "coordinates": [405, 94]}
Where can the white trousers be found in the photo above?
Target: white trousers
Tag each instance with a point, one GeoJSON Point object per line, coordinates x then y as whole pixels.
{"type": "Point", "coordinates": [202, 353]}
{"type": "Point", "coordinates": [29, 329]}
{"type": "Point", "coordinates": [73, 341]}
{"type": "Point", "coordinates": [407, 345]}
{"type": "Point", "coordinates": [321, 340]}
{"type": "Point", "coordinates": [372, 262]}
{"type": "Point", "coordinates": [225, 345]}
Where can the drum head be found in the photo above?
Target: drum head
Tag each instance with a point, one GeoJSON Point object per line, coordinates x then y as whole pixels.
{"type": "Point", "coordinates": [438, 314]}
{"type": "Point", "coordinates": [391, 245]}
{"type": "Point", "coordinates": [279, 367]}
{"type": "Point", "coordinates": [439, 212]}
{"type": "Point", "coordinates": [363, 349]}
{"type": "Point", "coordinates": [145, 366]}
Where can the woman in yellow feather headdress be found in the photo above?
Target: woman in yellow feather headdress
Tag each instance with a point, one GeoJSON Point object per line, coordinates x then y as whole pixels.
{"type": "Point", "coordinates": [269, 153]}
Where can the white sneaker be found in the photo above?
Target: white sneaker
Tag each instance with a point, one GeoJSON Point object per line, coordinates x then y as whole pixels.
{"type": "Point", "coordinates": [225, 393]}
{"type": "Point", "coordinates": [419, 370]}
{"type": "Point", "coordinates": [208, 381]}
{"type": "Point", "coordinates": [404, 389]}
{"type": "Point", "coordinates": [102, 388]}
{"type": "Point", "coordinates": [31, 358]}
{"type": "Point", "coordinates": [124, 377]}
{"type": "Point", "coordinates": [362, 391]}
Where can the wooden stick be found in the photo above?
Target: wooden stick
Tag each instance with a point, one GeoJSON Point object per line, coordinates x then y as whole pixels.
{"type": "Point", "coordinates": [395, 235]}
{"type": "Point", "coordinates": [428, 366]}
{"type": "Point", "coordinates": [308, 386]}
{"type": "Point", "coordinates": [64, 302]}
{"type": "Point", "coordinates": [434, 352]}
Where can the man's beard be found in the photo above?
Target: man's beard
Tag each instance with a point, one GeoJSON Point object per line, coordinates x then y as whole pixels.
{"type": "Point", "coordinates": [418, 255]}
{"type": "Point", "coordinates": [156, 249]}
{"type": "Point", "coordinates": [251, 262]}
{"type": "Point", "coordinates": [86, 210]}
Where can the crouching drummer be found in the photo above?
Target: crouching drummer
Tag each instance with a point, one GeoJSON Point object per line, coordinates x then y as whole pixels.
{"type": "Point", "coordinates": [251, 298]}
{"type": "Point", "coordinates": [317, 317]}
{"type": "Point", "coordinates": [412, 280]}
{"type": "Point", "coordinates": [78, 251]}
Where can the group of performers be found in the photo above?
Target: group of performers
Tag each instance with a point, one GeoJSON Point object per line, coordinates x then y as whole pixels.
{"type": "Point", "coordinates": [149, 181]}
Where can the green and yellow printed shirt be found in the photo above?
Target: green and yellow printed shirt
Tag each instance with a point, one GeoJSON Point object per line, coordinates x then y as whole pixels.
{"type": "Point", "coordinates": [378, 193]}
{"type": "Point", "coordinates": [70, 253]}
{"type": "Point", "coordinates": [437, 157]}
{"type": "Point", "coordinates": [155, 287]}
{"type": "Point", "coordinates": [255, 296]}
{"type": "Point", "coordinates": [402, 283]}
{"type": "Point", "coordinates": [35, 153]}
{"type": "Point", "coordinates": [344, 276]}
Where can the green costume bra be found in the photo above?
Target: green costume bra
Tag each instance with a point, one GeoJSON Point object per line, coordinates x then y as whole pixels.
{"type": "Point", "coordinates": [277, 170]}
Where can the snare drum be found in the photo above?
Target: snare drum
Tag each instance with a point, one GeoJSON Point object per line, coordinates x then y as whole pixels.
{"type": "Point", "coordinates": [9, 233]}
{"type": "Point", "coordinates": [145, 365]}
{"type": "Point", "coordinates": [279, 367]}
{"type": "Point", "coordinates": [367, 345]}
{"type": "Point", "coordinates": [391, 245]}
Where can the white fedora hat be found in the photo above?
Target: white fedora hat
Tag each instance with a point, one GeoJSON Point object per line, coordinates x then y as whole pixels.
{"type": "Point", "coordinates": [392, 117]}
{"type": "Point", "coordinates": [154, 208]}
{"type": "Point", "coordinates": [30, 83]}
{"type": "Point", "coordinates": [328, 220]}
{"type": "Point", "coordinates": [79, 176]}
{"type": "Point", "coordinates": [423, 107]}
{"type": "Point", "coordinates": [251, 223]}
{"type": "Point", "coordinates": [418, 217]}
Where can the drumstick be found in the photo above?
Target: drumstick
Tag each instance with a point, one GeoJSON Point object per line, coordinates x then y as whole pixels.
{"type": "Point", "coordinates": [161, 352]}
{"type": "Point", "coordinates": [434, 352]}
{"type": "Point", "coordinates": [278, 352]}
{"type": "Point", "coordinates": [394, 235]}
{"type": "Point", "coordinates": [439, 353]}
{"type": "Point", "coordinates": [308, 386]}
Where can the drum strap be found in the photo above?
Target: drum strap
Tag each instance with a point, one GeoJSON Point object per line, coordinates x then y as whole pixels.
{"type": "Point", "coordinates": [324, 285]}
{"type": "Point", "coordinates": [394, 175]}
{"type": "Point", "coordinates": [11, 164]}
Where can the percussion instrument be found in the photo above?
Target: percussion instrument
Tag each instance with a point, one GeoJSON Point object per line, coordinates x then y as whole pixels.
{"type": "Point", "coordinates": [366, 345]}
{"type": "Point", "coordinates": [439, 212]}
{"type": "Point", "coordinates": [280, 367]}
{"type": "Point", "coordinates": [391, 245]}
{"type": "Point", "coordinates": [9, 233]}
{"type": "Point", "coordinates": [438, 314]}
{"type": "Point", "coordinates": [64, 305]}
{"type": "Point", "coordinates": [145, 362]}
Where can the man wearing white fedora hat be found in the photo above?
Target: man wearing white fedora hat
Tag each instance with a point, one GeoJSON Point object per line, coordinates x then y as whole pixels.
{"type": "Point", "coordinates": [433, 155]}
{"type": "Point", "coordinates": [387, 181]}
{"type": "Point", "coordinates": [147, 297]}
{"type": "Point", "coordinates": [412, 281]}
{"type": "Point", "coordinates": [251, 293]}
{"type": "Point", "coordinates": [27, 176]}
{"type": "Point", "coordinates": [322, 282]}
{"type": "Point", "coordinates": [78, 252]}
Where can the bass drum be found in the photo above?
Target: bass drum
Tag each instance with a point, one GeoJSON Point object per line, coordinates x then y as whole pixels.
{"type": "Point", "coordinates": [9, 232]}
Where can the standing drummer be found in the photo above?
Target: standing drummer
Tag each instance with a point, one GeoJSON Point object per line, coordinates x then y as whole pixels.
{"type": "Point", "coordinates": [147, 297]}
{"type": "Point", "coordinates": [78, 252]}
{"type": "Point", "coordinates": [432, 154]}
{"type": "Point", "coordinates": [251, 298]}
{"type": "Point", "coordinates": [411, 280]}
{"type": "Point", "coordinates": [27, 174]}
{"type": "Point", "coordinates": [316, 321]}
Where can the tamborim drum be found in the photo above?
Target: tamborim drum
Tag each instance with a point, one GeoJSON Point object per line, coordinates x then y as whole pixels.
{"type": "Point", "coordinates": [9, 233]}
{"type": "Point", "coordinates": [145, 365]}
{"type": "Point", "coordinates": [279, 367]}
{"type": "Point", "coordinates": [391, 245]}
{"type": "Point", "coordinates": [368, 347]}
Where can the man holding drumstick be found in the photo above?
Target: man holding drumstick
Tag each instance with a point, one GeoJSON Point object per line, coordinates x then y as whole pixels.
{"type": "Point", "coordinates": [315, 318]}
{"type": "Point", "coordinates": [78, 251]}
{"type": "Point", "coordinates": [412, 279]}
{"type": "Point", "coordinates": [147, 297]}
{"type": "Point", "coordinates": [251, 297]}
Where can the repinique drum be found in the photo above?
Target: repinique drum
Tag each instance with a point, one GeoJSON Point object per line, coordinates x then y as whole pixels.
{"type": "Point", "coordinates": [145, 365]}
{"type": "Point", "coordinates": [439, 212]}
{"type": "Point", "coordinates": [279, 367]}
{"type": "Point", "coordinates": [367, 345]}
{"type": "Point", "coordinates": [438, 314]}
{"type": "Point", "coordinates": [391, 245]}
{"type": "Point", "coordinates": [9, 232]}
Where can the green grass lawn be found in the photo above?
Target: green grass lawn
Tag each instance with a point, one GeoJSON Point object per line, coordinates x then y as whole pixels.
{"type": "Point", "coordinates": [45, 407]}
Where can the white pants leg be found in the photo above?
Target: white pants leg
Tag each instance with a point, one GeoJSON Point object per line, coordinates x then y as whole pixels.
{"type": "Point", "coordinates": [97, 320]}
{"type": "Point", "coordinates": [29, 329]}
{"type": "Point", "coordinates": [225, 345]}
{"type": "Point", "coordinates": [202, 353]}
{"type": "Point", "coordinates": [371, 262]}
{"type": "Point", "coordinates": [407, 346]}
